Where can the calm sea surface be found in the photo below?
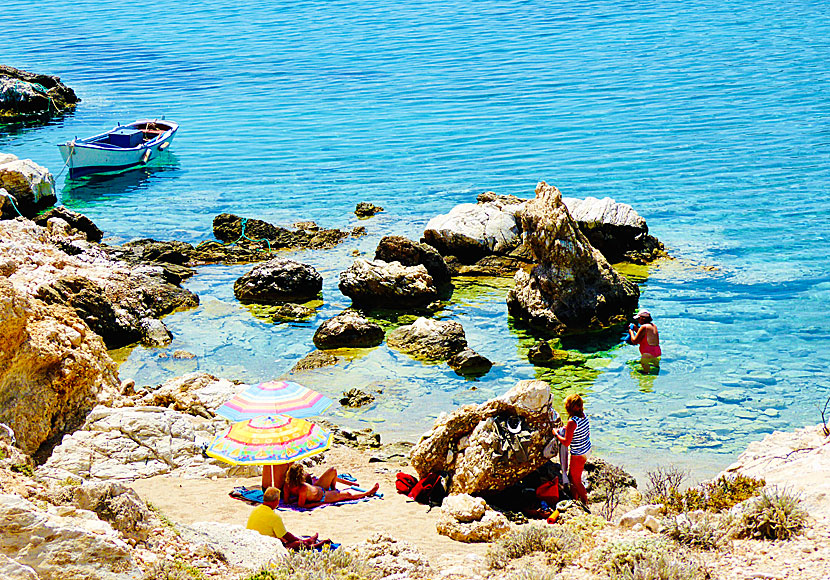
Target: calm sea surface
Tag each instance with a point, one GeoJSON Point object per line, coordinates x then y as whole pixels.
{"type": "Point", "coordinates": [710, 118]}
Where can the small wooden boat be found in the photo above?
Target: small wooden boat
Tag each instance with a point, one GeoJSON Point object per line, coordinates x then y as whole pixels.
{"type": "Point", "coordinates": [119, 148]}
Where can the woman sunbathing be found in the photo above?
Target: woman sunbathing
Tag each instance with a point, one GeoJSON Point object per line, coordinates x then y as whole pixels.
{"type": "Point", "coordinates": [322, 491]}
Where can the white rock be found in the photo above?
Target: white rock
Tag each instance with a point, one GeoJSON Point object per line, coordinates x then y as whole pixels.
{"type": "Point", "coordinates": [639, 515]}
{"type": "Point", "coordinates": [12, 570]}
{"type": "Point", "coordinates": [651, 523]}
{"type": "Point", "coordinates": [464, 507]}
{"type": "Point", "coordinates": [242, 547]}
{"type": "Point", "coordinates": [490, 527]}
{"type": "Point", "coordinates": [490, 226]}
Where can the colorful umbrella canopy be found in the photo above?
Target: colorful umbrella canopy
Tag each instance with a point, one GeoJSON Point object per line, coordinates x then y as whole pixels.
{"type": "Point", "coordinates": [275, 398]}
{"type": "Point", "coordinates": [269, 440]}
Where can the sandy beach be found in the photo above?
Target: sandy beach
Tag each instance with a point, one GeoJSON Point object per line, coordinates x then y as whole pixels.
{"type": "Point", "coordinates": [193, 500]}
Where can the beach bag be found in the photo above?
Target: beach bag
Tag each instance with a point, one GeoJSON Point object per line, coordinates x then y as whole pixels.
{"type": "Point", "coordinates": [405, 482]}
{"type": "Point", "coordinates": [439, 491]}
{"type": "Point", "coordinates": [421, 491]}
{"type": "Point", "coordinates": [548, 492]}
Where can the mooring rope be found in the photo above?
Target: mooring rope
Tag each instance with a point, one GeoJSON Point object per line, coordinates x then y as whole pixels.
{"type": "Point", "coordinates": [243, 236]}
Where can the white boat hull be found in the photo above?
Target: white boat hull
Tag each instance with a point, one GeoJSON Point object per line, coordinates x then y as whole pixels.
{"type": "Point", "coordinates": [85, 156]}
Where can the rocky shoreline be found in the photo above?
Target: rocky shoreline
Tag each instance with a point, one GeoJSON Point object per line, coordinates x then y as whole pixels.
{"type": "Point", "coordinates": [75, 436]}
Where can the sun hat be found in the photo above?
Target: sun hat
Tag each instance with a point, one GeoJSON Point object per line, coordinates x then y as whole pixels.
{"type": "Point", "coordinates": [643, 314]}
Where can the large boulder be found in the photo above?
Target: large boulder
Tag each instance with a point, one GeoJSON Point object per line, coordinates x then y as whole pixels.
{"type": "Point", "coordinates": [348, 330]}
{"type": "Point", "coordinates": [572, 287]}
{"type": "Point", "coordinates": [467, 443]}
{"type": "Point", "coordinates": [615, 229]}
{"type": "Point", "coordinates": [472, 231]}
{"type": "Point", "coordinates": [429, 339]}
{"type": "Point", "coordinates": [53, 369]}
{"type": "Point", "coordinates": [465, 518]}
{"type": "Point", "coordinates": [62, 542]}
{"type": "Point", "coordinates": [76, 221]}
{"type": "Point", "coordinates": [409, 253]}
{"type": "Point", "coordinates": [241, 547]}
{"type": "Point", "coordinates": [112, 502]}
{"type": "Point", "coordinates": [379, 284]}
{"type": "Point", "coordinates": [25, 187]}
{"type": "Point", "coordinates": [26, 96]}
{"type": "Point", "coordinates": [136, 442]}
{"type": "Point", "coordinates": [278, 280]}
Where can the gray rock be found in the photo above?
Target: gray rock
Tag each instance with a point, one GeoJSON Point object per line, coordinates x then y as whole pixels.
{"type": "Point", "coordinates": [379, 284]}
{"type": "Point", "coordinates": [409, 253]}
{"type": "Point", "coordinates": [26, 96]}
{"type": "Point", "coordinates": [28, 187]}
{"type": "Point", "coordinates": [471, 231]}
{"type": "Point", "coordinates": [348, 330]}
{"type": "Point", "coordinates": [469, 363]}
{"type": "Point", "coordinates": [278, 280]}
{"type": "Point", "coordinates": [241, 547]}
{"type": "Point", "coordinates": [429, 339]}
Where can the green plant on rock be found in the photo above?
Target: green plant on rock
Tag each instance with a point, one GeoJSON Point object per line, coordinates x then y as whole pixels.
{"type": "Point", "coordinates": [706, 533]}
{"type": "Point", "coordinates": [651, 559]}
{"type": "Point", "coordinates": [719, 495]}
{"type": "Point", "coordinates": [312, 565]}
{"type": "Point", "coordinates": [176, 569]}
{"type": "Point", "coordinates": [23, 469]}
{"type": "Point", "coordinates": [559, 543]}
{"type": "Point", "coordinates": [774, 515]}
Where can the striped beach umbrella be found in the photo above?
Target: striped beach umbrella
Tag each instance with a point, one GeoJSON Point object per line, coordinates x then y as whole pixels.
{"type": "Point", "coordinates": [275, 398]}
{"type": "Point", "coordinates": [269, 440]}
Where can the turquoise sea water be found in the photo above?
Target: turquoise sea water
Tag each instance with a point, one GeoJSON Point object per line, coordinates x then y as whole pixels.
{"type": "Point", "coordinates": [710, 118]}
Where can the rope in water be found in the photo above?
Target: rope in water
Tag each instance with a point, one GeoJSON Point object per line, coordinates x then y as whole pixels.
{"type": "Point", "coordinates": [11, 199]}
{"type": "Point", "coordinates": [243, 236]}
{"type": "Point", "coordinates": [68, 158]}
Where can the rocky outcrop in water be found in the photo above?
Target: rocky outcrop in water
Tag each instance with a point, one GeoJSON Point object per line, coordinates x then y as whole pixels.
{"type": "Point", "coordinates": [278, 280]}
{"type": "Point", "coordinates": [615, 229]}
{"type": "Point", "coordinates": [409, 253]}
{"type": "Point", "coordinates": [230, 228]}
{"type": "Point", "coordinates": [26, 96]}
{"type": "Point", "coordinates": [572, 287]}
{"type": "Point", "coordinates": [429, 339]}
{"type": "Point", "coordinates": [469, 363]}
{"type": "Point", "coordinates": [348, 330]}
{"type": "Point", "coordinates": [365, 209]}
{"type": "Point", "coordinates": [485, 239]}
{"type": "Point", "coordinates": [25, 187]}
{"type": "Point", "coordinates": [471, 231]}
{"type": "Point", "coordinates": [467, 444]}
{"type": "Point", "coordinates": [78, 223]}
{"type": "Point", "coordinates": [379, 284]}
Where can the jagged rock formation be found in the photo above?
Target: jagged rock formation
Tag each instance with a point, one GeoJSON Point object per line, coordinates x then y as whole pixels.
{"type": "Point", "coordinates": [464, 441]}
{"type": "Point", "coordinates": [53, 369]}
{"type": "Point", "coordinates": [229, 228]}
{"type": "Point", "coordinates": [278, 280]}
{"type": "Point", "coordinates": [26, 96]}
{"type": "Point", "coordinates": [571, 287]}
{"type": "Point", "coordinates": [379, 284]}
{"type": "Point", "coordinates": [25, 187]}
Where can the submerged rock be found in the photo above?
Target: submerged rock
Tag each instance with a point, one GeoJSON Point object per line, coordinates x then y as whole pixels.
{"type": "Point", "coordinates": [469, 363]}
{"type": "Point", "coordinates": [348, 330]}
{"type": "Point", "coordinates": [25, 187]}
{"type": "Point", "coordinates": [26, 96]}
{"type": "Point", "coordinates": [467, 444]}
{"type": "Point", "coordinates": [365, 209]}
{"type": "Point", "coordinates": [356, 398]}
{"type": "Point", "coordinates": [291, 311]}
{"type": "Point", "coordinates": [278, 280]}
{"type": "Point", "coordinates": [230, 228]}
{"type": "Point", "coordinates": [316, 359]}
{"type": "Point", "coordinates": [379, 284]}
{"type": "Point", "coordinates": [572, 287]}
{"type": "Point", "coordinates": [409, 253]}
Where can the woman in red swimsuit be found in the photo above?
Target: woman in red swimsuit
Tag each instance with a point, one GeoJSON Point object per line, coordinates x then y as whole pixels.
{"type": "Point", "coordinates": [648, 339]}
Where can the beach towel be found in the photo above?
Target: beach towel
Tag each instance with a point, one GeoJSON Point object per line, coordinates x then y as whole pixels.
{"type": "Point", "coordinates": [296, 508]}
{"type": "Point", "coordinates": [253, 495]}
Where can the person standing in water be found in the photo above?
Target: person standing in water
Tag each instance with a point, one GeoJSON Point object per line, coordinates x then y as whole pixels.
{"type": "Point", "coordinates": [578, 437]}
{"type": "Point", "coordinates": [644, 334]}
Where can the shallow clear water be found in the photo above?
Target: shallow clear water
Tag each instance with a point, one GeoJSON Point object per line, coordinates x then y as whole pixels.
{"type": "Point", "coordinates": [711, 119]}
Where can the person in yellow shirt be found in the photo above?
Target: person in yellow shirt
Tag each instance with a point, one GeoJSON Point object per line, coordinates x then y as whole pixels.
{"type": "Point", "coordinates": [265, 520]}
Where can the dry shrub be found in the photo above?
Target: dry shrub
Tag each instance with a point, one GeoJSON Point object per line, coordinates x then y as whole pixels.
{"type": "Point", "coordinates": [312, 565]}
{"type": "Point", "coordinates": [561, 544]}
{"type": "Point", "coordinates": [774, 515]}
{"type": "Point", "coordinates": [651, 559]}
{"type": "Point", "coordinates": [705, 533]}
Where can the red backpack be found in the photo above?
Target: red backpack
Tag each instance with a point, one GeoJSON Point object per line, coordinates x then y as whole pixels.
{"type": "Point", "coordinates": [405, 482]}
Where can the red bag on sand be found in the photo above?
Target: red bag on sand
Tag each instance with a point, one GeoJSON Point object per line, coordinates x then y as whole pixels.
{"type": "Point", "coordinates": [405, 482]}
{"type": "Point", "coordinates": [548, 492]}
{"type": "Point", "coordinates": [421, 491]}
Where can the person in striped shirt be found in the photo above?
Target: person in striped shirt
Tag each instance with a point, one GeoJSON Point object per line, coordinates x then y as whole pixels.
{"type": "Point", "coordinates": [578, 437]}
